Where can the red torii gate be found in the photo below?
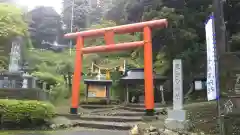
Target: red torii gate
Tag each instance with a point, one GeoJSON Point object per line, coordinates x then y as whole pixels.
{"type": "Point", "coordinates": [110, 46]}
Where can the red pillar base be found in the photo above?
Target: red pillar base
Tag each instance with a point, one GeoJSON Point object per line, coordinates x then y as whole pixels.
{"type": "Point", "coordinates": [149, 112]}
{"type": "Point", "coordinates": [73, 110]}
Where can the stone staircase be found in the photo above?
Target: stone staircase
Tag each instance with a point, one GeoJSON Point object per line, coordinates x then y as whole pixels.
{"type": "Point", "coordinates": [118, 117]}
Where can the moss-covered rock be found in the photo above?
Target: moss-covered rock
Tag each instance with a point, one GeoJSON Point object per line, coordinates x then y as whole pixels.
{"type": "Point", "coordinates": [19, 113]}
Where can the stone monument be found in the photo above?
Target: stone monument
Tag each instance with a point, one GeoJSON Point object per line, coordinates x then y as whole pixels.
{"type": "Point", "coordinates": [16, 83]}
{"type": "Point", "coordinates": [15, 55]}
{"type": "Point", "coordinates": [15, 77]}
{"type": "Point", "coordinates": [177, 119]}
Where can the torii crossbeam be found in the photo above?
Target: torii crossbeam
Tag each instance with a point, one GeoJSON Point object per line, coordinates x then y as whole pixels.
{"type": "Point", "coordinates": [110, 46]}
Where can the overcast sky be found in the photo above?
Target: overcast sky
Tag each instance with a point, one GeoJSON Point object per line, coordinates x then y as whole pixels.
{"type": "Point", "coordinates": [31, 4]}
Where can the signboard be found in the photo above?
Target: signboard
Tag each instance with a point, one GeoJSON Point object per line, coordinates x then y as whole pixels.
{"type": "Point", "coordinates": [212, 80]}
{"type": "Point", "coordinates": [177, 85]}
{"type": "Point", "coordinates": [198, 85]}
{"type": "Point", "coordinates": [97, 91]}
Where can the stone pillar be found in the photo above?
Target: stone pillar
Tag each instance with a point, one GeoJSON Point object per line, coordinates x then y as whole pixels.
{"type": "Point", "coordinates": [25, 83]}
{"type": "Point", "coordinates": [86, 93]}
{"type": "Point", "coordinates": [108, 94]}
{"type": "Point", "coordinates": [162, 94]}
{"type": "Point", "coordinates": [127, 95]}
{"type": "Point", "coordinates": [34, 83]}
{"type": "Point", "coordinates": [177, 117]}
{"type": "Point", "coordinates": [44, 85]}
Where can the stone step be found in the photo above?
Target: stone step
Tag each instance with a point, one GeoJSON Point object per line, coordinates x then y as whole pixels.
{"type": "Point", "coordinates": [135, 109]}
{"type": "Point", "coordinates": [128, 114]}
{"type": "Point", "coordinates": [115, 113]}
{"type": "Point", "coordinates": [96, 106]}
{"type": "Point", "coordinates": [124, 113]}
{"type": "Point", "coordinates": [102, 117]}
{"type": "Point", "coordinates": [142, 105]}
{"type": "Point", "coordinates": [103, 125]}
{"type": "Point", "coordinates": [111, 118]}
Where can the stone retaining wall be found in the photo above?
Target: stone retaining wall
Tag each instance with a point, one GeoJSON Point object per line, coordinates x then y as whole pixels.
{"type": "Point", "coordinates": [203, 117]}
{"type": "Point", "coordinates": [20, 94]}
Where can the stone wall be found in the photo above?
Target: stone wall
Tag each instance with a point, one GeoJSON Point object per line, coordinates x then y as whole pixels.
{"type": "Point", "coordinates": [30, 94]}
{"type": "Point", "coordinates": [203, 117]}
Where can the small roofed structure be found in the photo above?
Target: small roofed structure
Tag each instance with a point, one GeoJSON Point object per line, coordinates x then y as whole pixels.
{"type": "Point", "coordinates": [136, 77]}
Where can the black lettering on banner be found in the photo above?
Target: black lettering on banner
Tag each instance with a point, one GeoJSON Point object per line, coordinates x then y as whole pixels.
{"type": "Point", "coordinates": [210, 82]}
{"type": "Point", "coordinates": [177, 96]}
{"type": "Point", "coordinates": [211, 89]}
{"type": "Point", "coordinates": [177, 81]}
{"type": "Point", "coordinates": [209, 75]}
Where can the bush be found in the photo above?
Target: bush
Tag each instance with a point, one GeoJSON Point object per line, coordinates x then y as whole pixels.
{"type": "Point", "coordinates": [58, 92]}
{"type": "Point", "coordinates": [25, 113]}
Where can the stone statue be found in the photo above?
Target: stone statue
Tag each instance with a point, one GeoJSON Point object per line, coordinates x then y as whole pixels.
{"type": "Point", "coordinates": [15, 55]}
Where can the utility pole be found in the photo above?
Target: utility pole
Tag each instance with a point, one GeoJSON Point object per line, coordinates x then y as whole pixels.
{"type": "Point", "coordinates": [220, 31]}
{"type": "Point", "coordinates": [71, 29]}
{"type": "Point", "coordinates": [220, 28]}
{"type": "Point", "coordinates": [88, 17]}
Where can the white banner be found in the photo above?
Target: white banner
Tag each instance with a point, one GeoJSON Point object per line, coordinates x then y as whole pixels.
{"type": "Point", "coordinates": [212, 80]}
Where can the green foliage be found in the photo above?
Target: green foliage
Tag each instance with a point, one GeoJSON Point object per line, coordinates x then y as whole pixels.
{"type": "Point", "coordinates": [3, 62]}
{"type": "Point", "coordinates": [161, 64]}
{"type": "Point", "coordinates": [184, 38]}
{"type": "Point", "coordinates": [116, 13]}
{"type": "Point", "coordinates": [58, 92]}
{"type": "Point", "coordinates": [117, 38]}
{"type": "Point", "coordinates": [45, 25]}
{"type": "Point", "coordinates": [81, 11]}
{"type": "Point", "coordinates": [235, 41]}
{"type": "Point", "coordinates": [25, 112]}
{"type": "Point", "coordinates": [48, 77]}
{"type": "Point", "coordinates": [86, 13]}
{"type": "Point", "coordinates": [11, 21]}
{"type": "Point", "coordinates": [113, 59]}
{"type": "Point", "coordinates": [117, 91]}
{"type": "Point", "coordinates": [50, 68]}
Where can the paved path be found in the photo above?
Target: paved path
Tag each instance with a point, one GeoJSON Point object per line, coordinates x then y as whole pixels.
{"type": "Point", "coordinates": [77, 132]}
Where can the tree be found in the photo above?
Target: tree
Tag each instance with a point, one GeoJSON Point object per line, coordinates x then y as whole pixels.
{"type": "Point", "coordinates": [232, 20]}
{"type": "Point", "coordinates": [45, 26]}
{"type": "Point", "coordinates": [11, 22]}
{"type": "Point", "coordinates": [81, 12]}
{"type": "Point", "coordinates": [86, 12]}
{"type": "Point", "coordinates": [7, 1]}
{"type": "Point", "coordinates": [116, 13]}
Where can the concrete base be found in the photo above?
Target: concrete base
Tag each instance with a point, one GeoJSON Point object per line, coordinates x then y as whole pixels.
{"type": "Point", "coordinates": [149, 112]}
{"type": "Point", "coordinates": [149, 118]}
{"type": "Point", "coordinates": [176, 125]}
{"type": "Point", "coordinates": [177, 120]}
